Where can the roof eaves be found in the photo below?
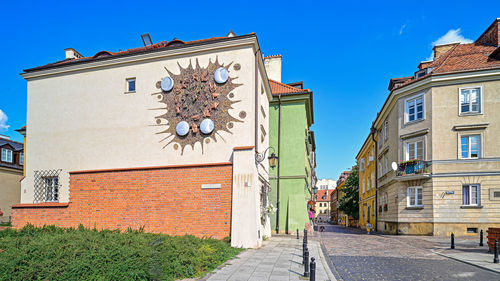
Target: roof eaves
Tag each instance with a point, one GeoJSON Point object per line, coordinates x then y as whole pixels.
{"type": "Point", "coordinates": [126, 54]}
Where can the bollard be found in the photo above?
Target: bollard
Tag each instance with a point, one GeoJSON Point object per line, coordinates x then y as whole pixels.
{"type": "Point", "coordinates": [481, 238]}
{"type": "Point", "coordinates": [312, 270]}
{"type": "Point", "coordinates": [306, 264]}
{"type": "Point", "coordinates": [453, 241]}
{"type": "Point", "coordinates": [304, 248]}
{"type": "Point", "coordinates": [298, 234]}
{"type": "Point", "coordinates": [305, 235]}
{"type": "Point", "coordinates": [495, 251]}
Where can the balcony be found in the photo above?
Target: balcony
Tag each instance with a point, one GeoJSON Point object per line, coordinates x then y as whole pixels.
{"type": "Point", "coordinates": [412, 170]}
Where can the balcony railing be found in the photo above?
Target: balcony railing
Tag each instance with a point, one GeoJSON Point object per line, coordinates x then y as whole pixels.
{"type": "Point", "coordinates": [412, 167]}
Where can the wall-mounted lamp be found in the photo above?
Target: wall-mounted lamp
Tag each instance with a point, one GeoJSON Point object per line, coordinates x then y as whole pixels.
{"type": "Point", "coordinates": [273, 159]}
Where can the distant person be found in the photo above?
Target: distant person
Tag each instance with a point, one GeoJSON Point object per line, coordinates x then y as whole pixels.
{"type": "Point", "coordinates": [311, 216]}
{"type": "Point", "coordinates": [368, 228]}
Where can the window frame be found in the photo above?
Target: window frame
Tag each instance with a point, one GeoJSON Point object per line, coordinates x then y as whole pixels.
{"type": "Point", "coordinates": [478, 194]}
{"type": "Point", "coordinates": [127, 84]}
{"type": "Point", "coordinates": [481, 103]}
{"type": "Point", "coordinates": [406, 108]}
{"type": "Point", "coordinates": [408, 196]}
{"type": "Point", "coordinates": [9, 155]}
{"type": "Point", "coordinates": [469, 135]}
{"type": "Point", "coordinates": [53, 194]}
{"type": "Point", "coordinates": [406, 148]}
{"type": "Point", "coordinates": [21, 158]}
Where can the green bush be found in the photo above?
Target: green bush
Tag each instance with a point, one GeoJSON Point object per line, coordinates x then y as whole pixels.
{"type": "Point", "coordinates": [53, 253]}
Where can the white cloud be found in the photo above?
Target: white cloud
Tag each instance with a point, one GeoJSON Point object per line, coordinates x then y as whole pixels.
{"type": "Point", "coordinates": [452, 36]}
{"type": "Point", "coordinates": [402, 29]}
{"type": "Point", "coordinates": [3, 122]}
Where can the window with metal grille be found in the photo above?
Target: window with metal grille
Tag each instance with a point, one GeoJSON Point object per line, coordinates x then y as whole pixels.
{"type": "Point", "coordinates": [47, 186]}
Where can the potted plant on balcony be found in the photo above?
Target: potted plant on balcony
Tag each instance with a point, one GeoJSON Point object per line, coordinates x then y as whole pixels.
{"type": "Point", "coordinates": [385, 207]}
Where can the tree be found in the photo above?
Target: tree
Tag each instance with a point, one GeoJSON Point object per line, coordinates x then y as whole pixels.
{"type": "Point", "coordinates": [349, 203]}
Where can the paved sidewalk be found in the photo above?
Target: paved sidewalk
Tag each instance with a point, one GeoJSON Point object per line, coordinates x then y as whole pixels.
{"type": "Point", "coordinates": [466, 250]}
{"type": "Point", "coordinates": [280, 258]}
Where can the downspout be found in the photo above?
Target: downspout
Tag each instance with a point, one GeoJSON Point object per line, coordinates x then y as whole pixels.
{"type": "Point", "coordinates": [279, 166]}
{"type": "Point", "coordinates": [376, 178]}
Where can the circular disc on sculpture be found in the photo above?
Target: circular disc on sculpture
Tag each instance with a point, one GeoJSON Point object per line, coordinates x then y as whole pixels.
{"type": "Point", "coordinates": [167, 84]}
{"type": "Point", "coordinates": [207, 126]}
{"type": "Point", "coordinates": [221, 75]}
{"type": "Point", "coordinates": [182, 128]}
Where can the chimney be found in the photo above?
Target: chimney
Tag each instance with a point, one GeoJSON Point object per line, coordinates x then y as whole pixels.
{"type": "Point", "coordinates": [441, 49]}
{"type": "Point", "coordinates": [72, 54]}
{"type": "Point", "coordinates": [492, 35]}
{"type": "Point", "coordinates": [273, 67]}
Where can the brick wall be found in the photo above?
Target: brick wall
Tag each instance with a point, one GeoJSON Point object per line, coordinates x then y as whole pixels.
{"type": "Point", "coordinates": [167, 200]}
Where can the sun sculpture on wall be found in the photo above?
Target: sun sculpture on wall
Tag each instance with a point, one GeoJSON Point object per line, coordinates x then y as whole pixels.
{"type": "Point", "coordinates": [197, 103]}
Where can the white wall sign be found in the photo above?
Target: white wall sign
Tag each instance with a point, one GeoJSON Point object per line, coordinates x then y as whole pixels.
{"type": "Point", "coordinates": [213, 185]}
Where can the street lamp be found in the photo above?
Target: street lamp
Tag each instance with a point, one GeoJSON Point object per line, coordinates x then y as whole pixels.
{"type": "Point", "coordinates": [273, 159]}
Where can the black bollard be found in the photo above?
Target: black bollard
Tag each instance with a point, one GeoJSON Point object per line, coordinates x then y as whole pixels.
{"type": "Point", "coordinates": [453, 241]}
{"type": "Point", "coordinates": [481, 238]}
{"type": "Point", "coordinates": [304, 248]}
{"type": "Point", "coordinates": [313, 270]}
{"type": "Point", "coordinates": [306, 264]}
{"type": "Point", "coordinates": [495, 251]}
{"type": "Point", "coordinates": [298, 234]}
{"type": "Point", "coordinates": [305, 235]}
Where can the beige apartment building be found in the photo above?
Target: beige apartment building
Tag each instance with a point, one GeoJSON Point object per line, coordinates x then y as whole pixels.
{"type": "Point", "coordinates": [438, 147]}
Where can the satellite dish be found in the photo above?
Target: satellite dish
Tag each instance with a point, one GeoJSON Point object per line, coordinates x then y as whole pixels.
{"type": "Point", "coordinates": [167, 84]}
{"type": "Point", "coordinates": [182, 128]}
{"type": "Point", "coordinates": [394, 166]}
{"type": "Point", "coordinates": [207, 126]}
{"type": "Point", "coordinates": [221, 75]}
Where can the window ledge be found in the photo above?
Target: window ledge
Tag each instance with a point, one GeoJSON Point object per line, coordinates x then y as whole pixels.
{"type": "Point", "coordinates": [414, 208]}
{"type": "Point", "coordinates": [41, 205]}
{"type": "Point", "coordinates": [471, 207]}
{"type": "Point", "coordinates": [131, 92]}
{"type": "Point", "coordinates": [407, 123]}
{"type": "Point", "coordinates": [470, 113]}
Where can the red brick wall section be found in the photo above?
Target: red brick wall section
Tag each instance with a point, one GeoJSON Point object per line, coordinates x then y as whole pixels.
{"type": "Point", "coordinates": [168, 200]}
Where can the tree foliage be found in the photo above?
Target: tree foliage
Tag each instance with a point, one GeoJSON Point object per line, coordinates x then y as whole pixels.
{"type": "Point", "coordinates": [349, 202]}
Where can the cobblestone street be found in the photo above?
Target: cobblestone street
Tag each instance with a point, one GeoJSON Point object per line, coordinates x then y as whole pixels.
{"type": "Point", "coordinates": [357, 256]}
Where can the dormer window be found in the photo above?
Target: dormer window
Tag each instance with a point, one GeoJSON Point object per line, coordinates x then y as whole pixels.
{"type": "Point", "coordinates": [6, 155]}
{"type": "Point", "coordinates": [423, 72]}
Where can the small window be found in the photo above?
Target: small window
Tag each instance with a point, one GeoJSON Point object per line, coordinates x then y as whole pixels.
{"type": "Point", "coordinates": [363, 185]}
{"type": "Point", "coordinates": [21, 158]}
{"type": "Point", "coordinates": [362, 164]}
{"type": "Point", "coordinates": [130, 85]}
{"type": "Point", "coordinates": [51, 189]}
{"type": "Point", "coordinates": [415, 196]}
{"type": "Point", "coordinates": [386, 130]}
{"type": "Point", "coordinates": [414, 150]}
{"type": "Point", "coordinates": [414, 109]}
{"type": "Point", "coordinates": [470, 146]}
{"type": "Point", "coordinates": [367, 183]}
{"type": "Point", "coordinates": [470, 195]}
{"type": "Point", "coordinates": [6, 155]}
{"type": "Point", "coordinates": [470, 100]}
{"type": "Point", "coordinates": [471, 229]}
{"type": "Point", "coordinates": [373, 180]}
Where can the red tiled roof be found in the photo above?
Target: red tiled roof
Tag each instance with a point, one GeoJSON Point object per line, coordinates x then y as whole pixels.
{"type": "Point", "coordinates": [278, 88]}
{"type": "Point", "coordinates": [321, 193]}
{"type": "Point", "coordinates": [460, 58]}
{"type": "Point", "coordinates": [160, 45]}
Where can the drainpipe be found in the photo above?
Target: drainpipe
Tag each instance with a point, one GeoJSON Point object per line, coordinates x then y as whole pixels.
{"type": "Point", "coordinates": [279, 167]}
{"type": "Point", "coordinates": [373, 131]}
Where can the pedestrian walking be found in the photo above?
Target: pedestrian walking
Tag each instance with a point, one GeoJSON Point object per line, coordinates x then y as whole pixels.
{"type": "Point", "coordinates": [311, 216]}
{"type": "Point", "coordinates": [368, 228]}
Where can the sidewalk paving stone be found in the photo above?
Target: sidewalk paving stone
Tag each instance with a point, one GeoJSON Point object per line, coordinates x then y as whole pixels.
{"type": "Point", "coordinates": [279, 259]}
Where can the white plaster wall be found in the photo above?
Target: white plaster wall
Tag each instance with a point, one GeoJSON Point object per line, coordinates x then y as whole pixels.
{"type": "Point", "coordinates": [84, 120]}
{"type": "Point", "coordinates": [245, 225]}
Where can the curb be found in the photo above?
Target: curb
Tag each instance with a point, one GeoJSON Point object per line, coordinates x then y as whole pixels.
{"type": "Point", "coordinates": [466, 262]}
{"type": "Point", "coordinates": [331, 265]}
{"type": "Point", "coordinates": [324, 259]}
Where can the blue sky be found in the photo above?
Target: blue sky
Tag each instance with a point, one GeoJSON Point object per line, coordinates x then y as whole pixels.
{"type": "Point", "coordinates": [345, 52]}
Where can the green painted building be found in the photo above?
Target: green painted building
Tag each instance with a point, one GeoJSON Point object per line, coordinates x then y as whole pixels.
{"type": "Point", "coordinates": [296, 151]}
